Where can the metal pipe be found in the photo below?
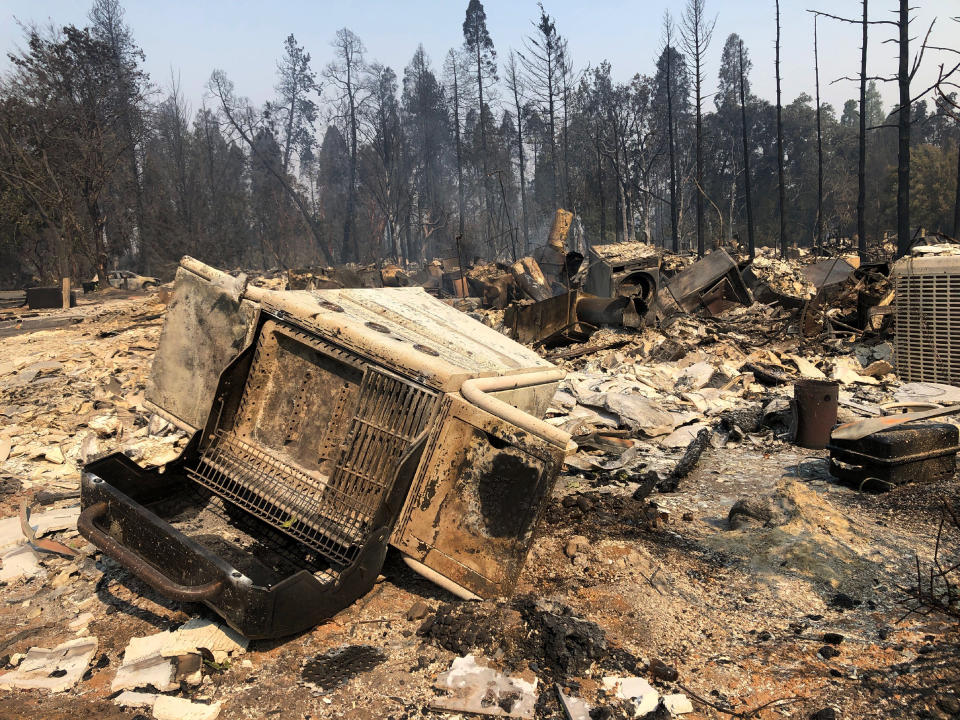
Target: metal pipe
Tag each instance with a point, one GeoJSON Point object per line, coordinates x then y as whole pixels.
{"type": "Point", "coordinates": [438, 579]}
{"type": "Point", "coordinates": [235, 286]}
{"type": "Point", "coordinates": [476, 391]}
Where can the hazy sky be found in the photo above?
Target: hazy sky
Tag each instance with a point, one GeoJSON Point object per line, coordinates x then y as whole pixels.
{"type": "Point", "coordinates": [244, 38]}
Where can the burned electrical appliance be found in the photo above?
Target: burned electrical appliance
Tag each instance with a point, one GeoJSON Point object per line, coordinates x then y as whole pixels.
{"type": "Point", "coordinates": [326, 425]}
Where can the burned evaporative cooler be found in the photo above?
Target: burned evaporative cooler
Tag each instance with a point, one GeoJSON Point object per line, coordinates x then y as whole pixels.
{"type": "Point", "coordinates": [927, 330]}
{"type": "Point", "coordinates": [324, 426]}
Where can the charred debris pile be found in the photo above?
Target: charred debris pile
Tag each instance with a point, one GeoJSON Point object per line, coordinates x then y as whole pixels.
{"type": "Point", "coordinates": [557, 463]}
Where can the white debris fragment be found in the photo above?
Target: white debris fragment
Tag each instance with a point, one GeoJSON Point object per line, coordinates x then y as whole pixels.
{"type": "Point", "coordinates": [641, 414]}
{"type": "Point", "coordinates": [165, 707]}
{"type": "Point", "coordinates": [151, 671]}
{"type": "Point", "coordinates": [807, 369]}
{"type": "Point", "coordinates": [644, 696]}
{"type": "Point", "coordinates": [54, 454]}
{"type": "Point", "coordinates": [847, 370]}
{"type": "Point", "coordinates": [477, 688]}
{"type": "Point", "coordinates": [155, 659]}
{"type": "Point", "coordinates": [20, 561]}
{"type": "Point", "coordinates": [104, 425]}
{"type": "Point", "coordinates": [55, 670]}
{"type": "Point", "coordinates": [574, 707]}
{"type": "Point", "coordinates": [128, 698]}
{"type": "Point", "coordinates": [42, 523]}
{"type": "Point", "coordinates": [80, 622]}
{"type": "Point", "coordinates": [928, 392]}
{"type": "Point", "coordinates": [696, 376]}
{"type": "Point", "coordinates": [158, 426]}
{"type": "Point", "coordinates": [681, 437]}
{"type": "Point", "coordinates": [190, 637]}
{"type": "Point", "coordinates": [677, 704]}
{"type": "Point", "coordinates": [174, 708]}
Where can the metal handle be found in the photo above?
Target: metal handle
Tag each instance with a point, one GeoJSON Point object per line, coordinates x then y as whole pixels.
{"type": "Point", "coordinates": [476, 391]}
{"type": "Point", "coordinates": [137, 565]}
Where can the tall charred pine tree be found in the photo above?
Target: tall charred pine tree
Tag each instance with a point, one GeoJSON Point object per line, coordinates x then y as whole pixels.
{"type": "Point", "coordinates": [516, 87]}
{"type": "Point", "coordinates": [453, 72]}
{"type": "Point", "coordinates": [864, 23]}
{"type": "Point", "coordinates": [696, 33]}
{"type": "Point", "coordinates": [744, 65]}
{"type": "Point", "coordinates": [243, 121]}
{"type": "Point", "coordinates": [109, 27]}
{"type": "Point", "coordinates": [426, 123]}
{"type": "Point", "coordinates": [862, 147]}
{"type": "Point", "coordinates": [385, 167]}
{"type": "Point", "coordinates": [345, 74]}
{"type": "Point", "coordinates": [906, 72]}
{"type": "Point", "coordinates": [670, 58]}
{"type": "Point", "coordinates": [543, 63]}
{"type": "Point", "coordinates": [294, 111]}
{"type": "Point", "coordinates": [816, 78]}
{"type": "Point", "coordinates": [904, 76]}
{"type": "Point", "coordinates": [567, 79]}
{"type": "Point", "coordinates": [479, 47]}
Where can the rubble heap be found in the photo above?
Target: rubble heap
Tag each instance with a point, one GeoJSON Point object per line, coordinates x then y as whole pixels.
{"type": "Point", "coordinates": [692, 560]}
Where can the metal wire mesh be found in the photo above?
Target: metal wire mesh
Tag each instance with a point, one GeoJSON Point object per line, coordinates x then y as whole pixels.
{"type": "Point", "coordinates": [333, 516]}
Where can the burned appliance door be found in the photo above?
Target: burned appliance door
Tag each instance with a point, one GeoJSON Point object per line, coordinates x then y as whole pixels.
{"type": "Point", "coordinates": [469, 520]}
{"type": "Point", "coordinates": [207, 325]}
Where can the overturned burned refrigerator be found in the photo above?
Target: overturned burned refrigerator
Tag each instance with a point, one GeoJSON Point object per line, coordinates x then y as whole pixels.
{"type": "Point", "coordinates": [326, 425]}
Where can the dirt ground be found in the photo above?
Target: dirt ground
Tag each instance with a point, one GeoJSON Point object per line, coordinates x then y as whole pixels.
{"type": "Point", "coordinates": [742, 614]}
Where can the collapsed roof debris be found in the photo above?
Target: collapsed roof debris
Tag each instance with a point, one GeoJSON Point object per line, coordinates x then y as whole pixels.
{"type": "Point", "coordinates": [642, 521]}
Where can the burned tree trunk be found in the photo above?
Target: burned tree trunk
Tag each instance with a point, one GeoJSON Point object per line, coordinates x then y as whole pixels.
{"type": "Point", "coordinates": [696, 34]}
{"type": "Point", "coordinates": [454, 72]}
{"type": "Point", "coordinates": [816, 75]}
{"type": "Point", "coordinates": [780, 179]}
{"type": "Point", "coordinates": [514, 85]}
{"type": "Point", "coordinates": [746, 160]}
{"type": "Point", "coordinates": [862, 160]}
{"type": "Point", "coordinates": [603, 200]}
{"type": "Point", "coordinates": [903, 133]}
{"type": "Point", "coordinates": [674, 220]}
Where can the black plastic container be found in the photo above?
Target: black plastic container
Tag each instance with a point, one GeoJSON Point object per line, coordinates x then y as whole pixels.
{"type": "Point", "coordinates": [910, 453]}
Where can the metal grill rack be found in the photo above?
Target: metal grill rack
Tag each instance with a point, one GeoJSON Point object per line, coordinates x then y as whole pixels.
{"type": "Point", "coordinates": [332, 515]}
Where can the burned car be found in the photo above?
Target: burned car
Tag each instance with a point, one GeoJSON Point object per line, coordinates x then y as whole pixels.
{"type": "Point", "coordinates": [127, 280]}
{"type": "Point", "coordinates": [326, 425]}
